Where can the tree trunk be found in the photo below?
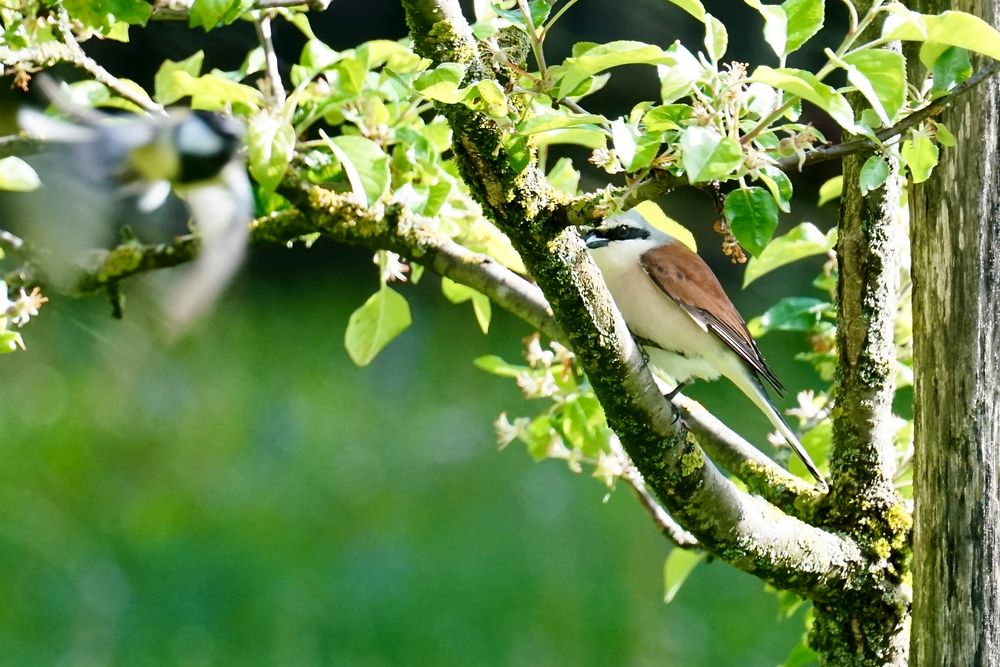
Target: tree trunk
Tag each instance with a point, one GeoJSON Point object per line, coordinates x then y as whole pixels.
{"type": "Point", "coordinates": [956, 331]}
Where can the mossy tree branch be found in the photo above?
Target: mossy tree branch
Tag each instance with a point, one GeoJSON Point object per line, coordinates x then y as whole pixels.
{"type": "Point", "coordinates": [741, 529]}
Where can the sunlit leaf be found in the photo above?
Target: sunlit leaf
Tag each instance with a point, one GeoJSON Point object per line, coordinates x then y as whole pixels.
{"type": "Point", "coordinates": [365, 165]}
{"type": "Point", "coordinates": [599, 57]}
{"type": "Point", "coordinates": [458, 293]}
{"type": "Point", "coordinates": [16, 175]}
{"type": "Point", "coordinates": [655, 216]}
{"type": "Point", "coordinates": [830, 190]}
{"type": "Point", "coordinates": [491, 363]}
{"type": "Point", "coordinates": [707, 155]}
{"type": "Point", "coordinates": [920, 155]}
{"type": "Point", "coordinates": [270, 146]}
{"type": "Point", "coordinates": [676, 569]}
{"type": "Point", "coordinates": [716, 38]}
{"type": "Point", "coordinates": [794, 313]}
{"type": "Point", "coordinates": [951, 27]}
{"type": "Point", "coordinates": [805, 19]}
{"type": "Point", "coordinates": [775, 25]}
{"type": "Point", "coordinates": [885, 73]}
{"type": "Point", "coordinates": [371, 327]}
{"type": "Point", "coordinates": [803, 240]}
{"type": "Point", "coordinates": [873, 174]}
{"type": "Point", "coordinates": [692, 7]}
{"type": "Point", "coordinates": [778, 183]}
{"type": "Point", "coordinates": [805, 85]}
{"type": "Point", "coordinates": [208, 14]}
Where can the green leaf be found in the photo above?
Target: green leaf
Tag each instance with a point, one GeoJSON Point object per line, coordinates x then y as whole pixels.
{"type": "Point", "coordinates": [442, 83]}
{"type": "Point", "coordinates": [805, 85]}
{"type": "Point", "coordinates": [538, 9]}
{"type": "Point", "coordinates": [920, 155]}
{"type": "Point", "coordinates": [208, 14]}
{"type": "Point", "coordinates": [805, 19]}
{"type": "Point", "coordinates": [944, 135]}
{"type": "Point", "coordinates": [556, 121]}
{"type": "Point", "coordinates": [365, 165]}
{"type": "Point", "coordinates": [873, 174]}
{"type": "Point", "coordinates": [707, 155]}
{"type": "Point", "coordinates": [950, 67]}
{"type": "Point", "coordinates": [803, 240]}
{"type": "Point", "coordinates": [882, 80]}
{"type": "Point", "coordinates": [373, 326]}
{"type": "Point", "coordinates": [106, 15]}
{"type": "Point", "coordinates": [635, 149]}
{"type": "Point", "coordinates": [597, 58]}
{"type": "Point", "coordinates": [458, 293]}
{"type": "Point", "coordinates": [716, 38]}
{"type": "Point", "coordinates": [793, 313]}
{"type": "Point", "coordinates": [676, 569]}
{"type": "Point", "coordinates": [166, 83]}
{"type": "Point", "coordinates": [667, 117]}
{"type": "Point", "coordinates": [676, 79]}
{"type": "Point", "coordinates": [270, 146]}
{"type": "Point", "coordinates": [655, 216]}
{"type": "Point", "coordinates": [778, 183]}
{"type": "Point", "coordinates": [830, 190]}
{"type": "Point", "coordinates": [753, 216]}
{"type": "Point", "coordinates": [775, 25]}
{"type": "Point", "coordinates": [692, 7]}
{"type": "Point", "coordinates": [16, 175]}
{"type": "Point", "coordinates": [952, 28]}
{"type": "Point", "coordinates": [801, 656]}
{"type": "Point", "coordinates": [564, 177]}
{"type": "Point", "coordinates": [491, 363]}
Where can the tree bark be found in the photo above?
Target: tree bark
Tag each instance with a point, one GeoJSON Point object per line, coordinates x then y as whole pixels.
{"type": "Point", "coordinates": [956, 327]}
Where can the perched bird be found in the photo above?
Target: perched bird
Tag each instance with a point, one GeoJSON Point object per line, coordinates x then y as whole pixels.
{"type": "Point", "coordinates": [194, 155]}
{"type": "Point", "coordinates": [678, 311]}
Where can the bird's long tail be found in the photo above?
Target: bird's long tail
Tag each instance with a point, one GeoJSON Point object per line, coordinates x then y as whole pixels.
{"type": "Point", "coordinates": [752, 387]}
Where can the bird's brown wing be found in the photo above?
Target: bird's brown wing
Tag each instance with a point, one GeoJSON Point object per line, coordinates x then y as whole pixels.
{"type": "Point", "coordinates": [685, 277]}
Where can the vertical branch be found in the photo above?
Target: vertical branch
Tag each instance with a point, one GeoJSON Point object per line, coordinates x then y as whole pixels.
{"type": "Point", "coordinates": [863, 501]}
{"type": "Point", "coordinates": [956, 332]}
{"type": "Point", "coordinates": [277, 91]}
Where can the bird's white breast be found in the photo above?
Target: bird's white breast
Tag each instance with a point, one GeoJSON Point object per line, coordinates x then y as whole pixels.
{"type": "Point", "coordinates": [686, 349]}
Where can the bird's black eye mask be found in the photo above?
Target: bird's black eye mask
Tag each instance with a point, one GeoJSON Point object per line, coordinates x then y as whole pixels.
{"type": "Point", "coordinates": [602, 236]}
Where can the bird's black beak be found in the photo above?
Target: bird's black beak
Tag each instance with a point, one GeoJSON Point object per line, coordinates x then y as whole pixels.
{"type": "Point", "coordinates": [594, 240]}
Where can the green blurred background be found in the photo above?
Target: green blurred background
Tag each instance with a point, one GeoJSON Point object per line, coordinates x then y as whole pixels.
{"type": "Point", "coordinates": [249, 497]}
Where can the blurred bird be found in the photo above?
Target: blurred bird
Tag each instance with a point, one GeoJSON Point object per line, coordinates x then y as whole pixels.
{"type": "Point", "coordinates": [675, 306]}
{"type": "Point", "coordinates": [192, 154]}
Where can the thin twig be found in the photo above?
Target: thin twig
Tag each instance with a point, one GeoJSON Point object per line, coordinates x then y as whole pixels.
{"type": "Point", "coordinates": [672, 530]}
{"type": "Point", "coordinates": [82, 60]}
{"type": "Point", "coordinates": [263, 25]}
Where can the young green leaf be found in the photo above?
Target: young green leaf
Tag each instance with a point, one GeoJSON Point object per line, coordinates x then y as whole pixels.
{"type": "Point", "coordinates": [882, 80]}
{"type": "Point", "coordinates": [775, 25]}
{"type": "Point", "coordinates": [753, 216]}
{"type": "Point", "coordinates": [716, 38]}
{"type": "Point", "coordinates": [830, 190]}
{"type": "Point", "coordinates": [564, 177]}
{"type": "Point", "coordinates": [442, 83]}
{"type": "Point", "coordinates": [707, 155]}
{"type": "Point", "coordinates": [805, 85]}
{"type": "Point", "coordinates": [803, 240]}
{"type": "Point", "coordinates": [364, 164]}
{"type": "Point", "coordinates": [676, 78]}
{"type": "Point", "coordinates": [692, 7]}
{"type": "Point", "coordinates": [778, 183]}
{"type": "Point", "coordinates": [491, 363]}
{"type": "Point", "coordinates": [208, 14]}
{"type": "Point", "coordinates": [634, 148]}
{"type": "Point", "coordinates": [952, 28]}
{"type": "Point", "coordinates": [805, 19]}
{"type": "Point", "coordinates": [676, 569]}
{"type": "Point", "coordinates": [597, 58]}
{"type": "Point", "coordinates": [873, 174]}
{"type": "Point", "coordinates": [920, 155]}
{"type": "Point", "coordinates": [555, 121]}
{"type": "Point", "coordinates": [270, 146]}
{"type": "Point", "coordinates": [949, 67]}
{"type": "Point", "coordinates": [16, 175]}
{"type": "Point", "coordinates": [793, 313]}
{"type": "Point", "coordinates": [371, 327]}
{"type": "Point", "coordinates": [458, 293]}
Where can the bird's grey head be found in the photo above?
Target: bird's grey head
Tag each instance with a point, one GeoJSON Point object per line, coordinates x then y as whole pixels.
{"type": "Point", "coordinates": [624, 228]}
